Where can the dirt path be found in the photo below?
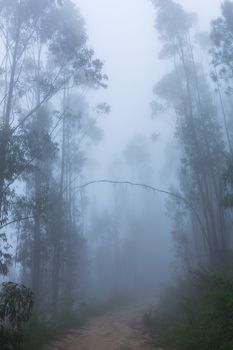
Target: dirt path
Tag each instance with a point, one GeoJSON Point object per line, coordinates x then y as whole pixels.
{"type": "Point", "coordinates": [119, 330]}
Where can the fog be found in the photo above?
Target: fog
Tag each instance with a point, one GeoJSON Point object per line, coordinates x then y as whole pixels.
{"type": "Point", "coordinates": [115, 167]}
{"type": "Point", "coordinates": [123, 34]}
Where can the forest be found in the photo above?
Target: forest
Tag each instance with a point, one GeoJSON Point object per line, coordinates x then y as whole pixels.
{"type": "Point", "coordinates": [116, 175]}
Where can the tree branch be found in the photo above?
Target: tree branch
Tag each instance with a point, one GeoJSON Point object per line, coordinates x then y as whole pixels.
{"type": "Point", "coordinates": [15, 221]}
{"type": "Point", "coordinates": [148, 187]}
{"type": "Point", "coordinates": [154, 189]}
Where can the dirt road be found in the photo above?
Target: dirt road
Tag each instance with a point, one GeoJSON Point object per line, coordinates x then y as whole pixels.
{"type": "Point", "coordinates": [119, 330]}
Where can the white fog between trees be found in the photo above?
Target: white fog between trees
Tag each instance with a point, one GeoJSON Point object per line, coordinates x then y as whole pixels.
{"type": "Point", "coordinates": [116, 141]}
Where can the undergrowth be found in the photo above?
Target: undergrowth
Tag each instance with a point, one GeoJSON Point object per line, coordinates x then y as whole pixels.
{"type": "Point", "coordinates": [197, 314]}
{"type": "Point", "coordinates": [40, 330]}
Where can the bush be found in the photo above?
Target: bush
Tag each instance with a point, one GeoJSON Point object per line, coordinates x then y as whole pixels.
{"type": "Point", "coordinates": [196, 315]}
{"type": "Point", "coordinates": [16, 303]}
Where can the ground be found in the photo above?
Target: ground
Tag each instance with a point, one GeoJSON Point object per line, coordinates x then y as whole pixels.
{"type": "Point", "coordinates": [118, 330]}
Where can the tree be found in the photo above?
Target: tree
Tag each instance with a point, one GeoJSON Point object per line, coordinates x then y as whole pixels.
{"type": "Point", "coordinates": [45, 49]}
{"type": "Point", "coordinates": [186, 90]}
{"type": "Point", "coordinates": [221, 51]}
{"type": "Point", "coordinates": [46, 59]}
{"type": "Point", "coordinates": [222, 61]}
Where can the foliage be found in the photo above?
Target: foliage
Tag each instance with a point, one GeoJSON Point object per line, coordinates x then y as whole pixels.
{"type": "Point", "coordinates": [5, 257]}
{"type": "Point", "coordinates": [45, 53]}
{"type": "Point", "coordinates": [222, 54]}
{"type": "Point", "coordinates": [228, 183]}
{"type": "Point", "coordinates": [187, 91]}
{"type": "Point", "coordinates": [196, 314]}
{"type": "Point", "coordinates": [172, 23]}
{"type": "Point", "coordinates": [40, 153]}
{"type": "Point", "coordinates": [16, 302]}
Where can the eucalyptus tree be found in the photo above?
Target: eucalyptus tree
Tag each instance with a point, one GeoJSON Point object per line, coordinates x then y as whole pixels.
{"type": "Point", "coordinates": [44, 47]}
{"type": "Point", "coordinates": [221, 51]}
{"type": "Point", "coordinates": [186, 91]}
{"type": "Point", "coordinates": [222, 62]}
{"type": "Point", "coordinates": [79, 132]}
{"type": "Point", "coordinates": [45, 55]}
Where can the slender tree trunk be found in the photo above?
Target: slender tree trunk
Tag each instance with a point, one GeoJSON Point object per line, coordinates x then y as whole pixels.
{"type": "Point", "coordinates": [36, 243]}
{"type": "Point", "coordinates": [36, 267]}
{"type": "Point", "coordinates": [57, 265]}
{"type": "Point", "coordinates": [6, 119]}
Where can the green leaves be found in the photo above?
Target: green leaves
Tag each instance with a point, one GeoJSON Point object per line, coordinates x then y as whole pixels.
{"type": "Point", "coordinates": [16, 303]}
{"type": "Point", "coordinates": [197, 315]}
{"type": "Point", "coordinates": [5, 257]}
{"type": "Point", "coordinates": [222, 50]}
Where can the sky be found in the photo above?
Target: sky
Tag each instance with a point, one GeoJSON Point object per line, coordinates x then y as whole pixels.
{"type": "Point", "coordinates": [122, 34]}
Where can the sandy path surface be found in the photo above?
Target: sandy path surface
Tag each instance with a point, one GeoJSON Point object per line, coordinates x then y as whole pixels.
{"type": "Point", "coordinates": [119, 330]}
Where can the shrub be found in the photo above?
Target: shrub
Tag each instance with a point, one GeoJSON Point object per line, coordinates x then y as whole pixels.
{"type": "Point", "coordinates": [196, 315]}
{"type": "Point", "coordinates": [16, 303]}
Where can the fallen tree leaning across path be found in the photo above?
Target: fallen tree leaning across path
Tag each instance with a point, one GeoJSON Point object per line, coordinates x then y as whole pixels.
{"type": "Point", "coordinates": [134, 184]}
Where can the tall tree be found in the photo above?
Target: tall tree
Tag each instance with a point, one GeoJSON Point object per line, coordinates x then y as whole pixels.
{"type": "Point", "coordinates": [186, 90]}
{"type": "Point", "coordinates": [45, 59]}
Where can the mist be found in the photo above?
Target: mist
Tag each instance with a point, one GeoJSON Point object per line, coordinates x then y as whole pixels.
{"type": "Point", "coordinates": [116, 174]}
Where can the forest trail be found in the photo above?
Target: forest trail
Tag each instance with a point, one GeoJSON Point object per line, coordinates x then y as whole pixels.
{"type": "Point", "coordinates": [118, 330]}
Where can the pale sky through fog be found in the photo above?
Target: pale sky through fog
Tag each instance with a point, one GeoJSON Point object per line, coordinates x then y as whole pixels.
{"type": "Point", "coordinates": [122, 34]}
